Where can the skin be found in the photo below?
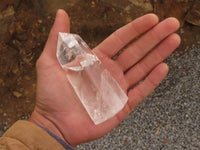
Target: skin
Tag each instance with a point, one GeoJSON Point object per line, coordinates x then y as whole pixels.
{"type": "Point", "coordinates": [57, 106]}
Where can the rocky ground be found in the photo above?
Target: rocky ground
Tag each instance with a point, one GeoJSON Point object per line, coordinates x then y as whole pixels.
{"type": "Point", "coordinates": [168, 119]}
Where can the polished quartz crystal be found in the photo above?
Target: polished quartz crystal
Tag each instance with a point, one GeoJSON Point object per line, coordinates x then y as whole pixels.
{"type": "Point", "coordinates": [97, 90]}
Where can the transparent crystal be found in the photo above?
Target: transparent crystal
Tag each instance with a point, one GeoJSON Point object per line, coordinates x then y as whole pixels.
{"type": "Point", "coordinates": [97, 90]}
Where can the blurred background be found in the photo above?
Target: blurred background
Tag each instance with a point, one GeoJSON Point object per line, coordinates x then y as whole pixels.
{"type": "Point", "coordinates": [168, 119]}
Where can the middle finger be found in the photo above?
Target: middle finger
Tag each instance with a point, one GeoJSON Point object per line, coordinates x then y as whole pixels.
{"type": "Point", "coordinates": [138, 49]}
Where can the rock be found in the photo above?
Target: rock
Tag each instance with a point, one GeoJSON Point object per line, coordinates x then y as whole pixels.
{"type": "Point", "coordinates": [4, 114]}
{"type": "Point", "coordinates": [172, 8]}
{"type": "Point", "coordinates": [4, 4]}
{"type": "Point", "coordinates": [27, 78]}
{"type": "Point", "coordinates": [166, 9]}
{"type": "Point", "coordinates": [15, 69]}
{"type": "Point", "coordinates": [75, 56]}
{"type": "Point", "coordinates": [6, 18]}
{"type": "Point", "coordinates": [7, 13]}
{"type": "Point", "coordinates": [193, 15]}
{"type": "Point", "coordinates": [17, 94]}
{"type": "Point", "coordinates": [2, 82]}
{"type": "Point", "coordinates": [144, 4]}
{"type": "Point", "coordinates": [5, 128]}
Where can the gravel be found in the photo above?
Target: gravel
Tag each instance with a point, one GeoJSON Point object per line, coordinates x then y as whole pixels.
{"type": "Point", "coordinates": [169, 118]}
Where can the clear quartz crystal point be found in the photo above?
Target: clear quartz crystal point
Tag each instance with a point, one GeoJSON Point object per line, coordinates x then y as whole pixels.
{"type": "Point", "coordinates": [97, 90]}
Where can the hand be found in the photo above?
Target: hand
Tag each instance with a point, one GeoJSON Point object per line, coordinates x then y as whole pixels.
{"type": "Point", "coordinates": [57, 106]}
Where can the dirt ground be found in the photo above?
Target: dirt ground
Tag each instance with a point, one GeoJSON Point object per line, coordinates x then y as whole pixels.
{"type": "Point", "coordinates": [93, 20]}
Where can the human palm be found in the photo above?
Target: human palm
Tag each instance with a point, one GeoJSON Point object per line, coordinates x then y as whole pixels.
{"type": "Point", "coordinates": [59, 109]}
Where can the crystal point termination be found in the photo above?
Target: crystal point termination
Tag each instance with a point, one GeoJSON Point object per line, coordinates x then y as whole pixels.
{"type": "Point", "coordinates": [97, 90]}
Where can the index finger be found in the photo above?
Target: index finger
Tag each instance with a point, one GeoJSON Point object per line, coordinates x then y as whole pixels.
{"type": "Point", "coordinates": [124, 35]}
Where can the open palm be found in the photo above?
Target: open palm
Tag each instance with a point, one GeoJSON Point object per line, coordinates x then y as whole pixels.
{"type": "Point", "coordinates": [59, 109]}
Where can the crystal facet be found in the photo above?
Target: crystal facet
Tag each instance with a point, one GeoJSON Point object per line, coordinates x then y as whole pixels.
{"type": "Point", "coordinates": [97, 90]}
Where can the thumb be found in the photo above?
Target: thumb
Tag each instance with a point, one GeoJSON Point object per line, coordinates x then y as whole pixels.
{"type": "Point", "coordinates": [61, 24]}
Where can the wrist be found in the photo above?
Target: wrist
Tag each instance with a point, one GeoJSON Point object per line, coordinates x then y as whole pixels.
{"type": "Point", "coordinates": [41, 120]}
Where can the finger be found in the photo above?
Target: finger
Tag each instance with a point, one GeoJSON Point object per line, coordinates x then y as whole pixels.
{"type": "Point", "coordinates": [140, 70]}
{"type": "Point", "coordinates": [61, 24]}
{"type": "Point", "coordinates": [138, 49]}
{"type": "Point", "coordinates": [142, 90]}
{"type": "Point", "coordinates": [120, 38]}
